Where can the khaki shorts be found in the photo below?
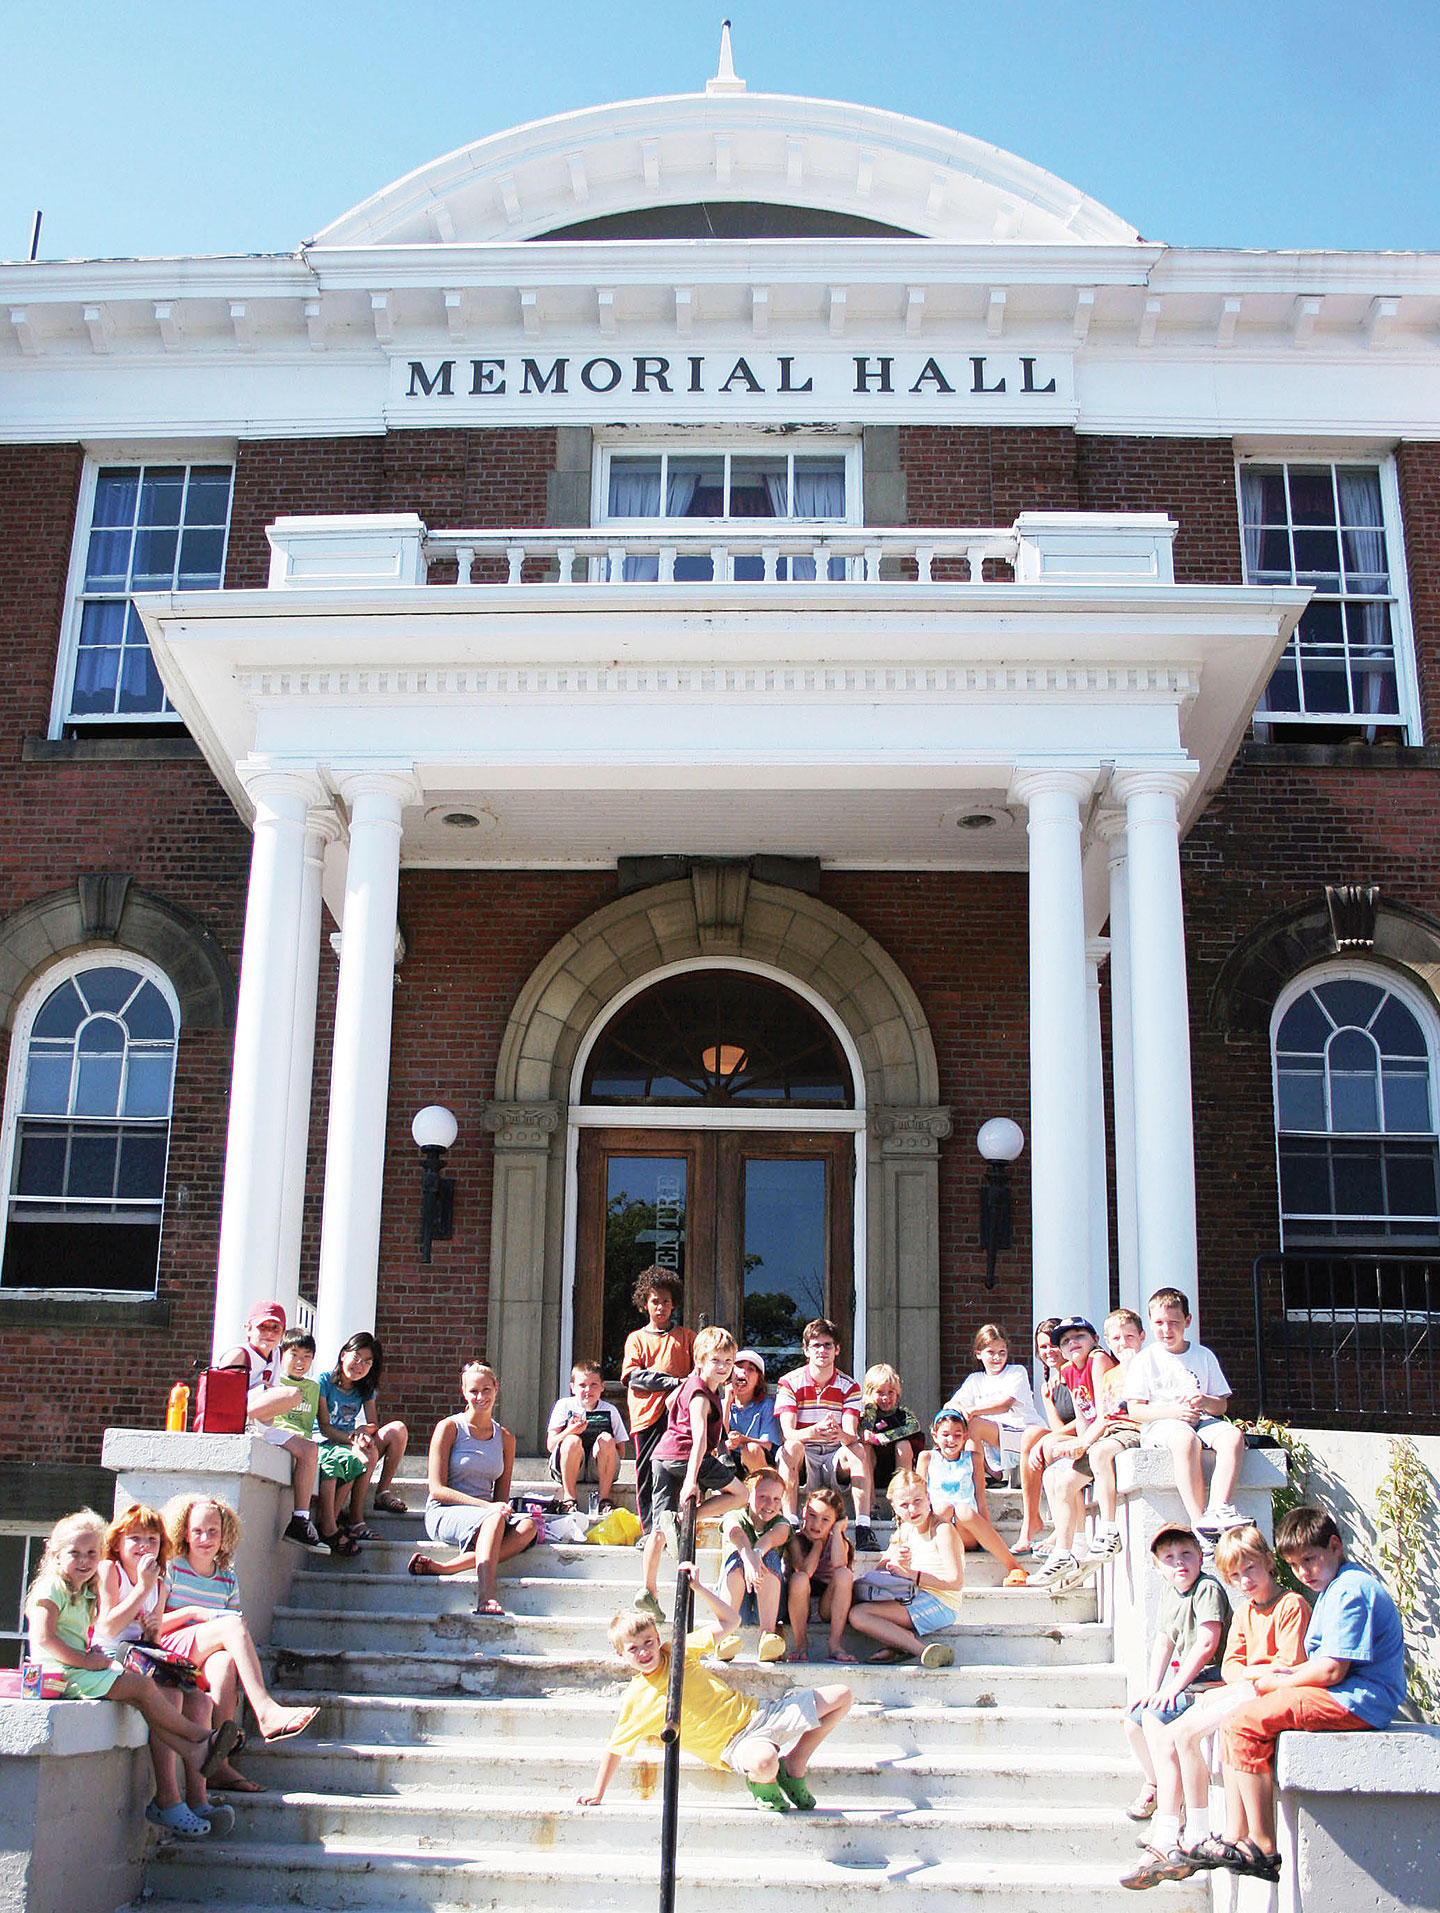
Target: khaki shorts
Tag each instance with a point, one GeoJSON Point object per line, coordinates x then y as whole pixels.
{"type": "Point", "coordinates": [1122, 1438]}
{"type": "Point", "coordinates": [782, 1724]}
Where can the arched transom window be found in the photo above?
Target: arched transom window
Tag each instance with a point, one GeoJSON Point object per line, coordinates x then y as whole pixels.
{"type": "Point", "coordinates": [1355, 1114]}
{"type": "Point", "coordinates": [90, 1103]}
{"type": "Point", "coordinates": [720, 1037]}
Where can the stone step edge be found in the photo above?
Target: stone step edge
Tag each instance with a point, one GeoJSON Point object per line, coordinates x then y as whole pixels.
{"type": "Point", "coordinates": [553, 1623]}
{"type": "Point", "coordinates": [577, 1701]}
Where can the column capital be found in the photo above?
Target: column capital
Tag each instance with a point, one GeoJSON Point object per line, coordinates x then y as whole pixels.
{"type": "Point", "coordinates": [397, 783]}
{"type": "Point", "coordinates": [522, 1125]}
{"type": "Point", "coordinates": [910, 1132]}
{"type": "Point", "coordinates": [1097, 949]}
{"type": "Point", "coordinates": [321, 822]}
{"type": "Point", "coordinates": [1045, 781]}
{"type": "Point", "coordinates": [1173, 781]}
{"type": "Point", "coordinates": [1109, 826]}
{"type": "Point", "coordinates": [293, 788]}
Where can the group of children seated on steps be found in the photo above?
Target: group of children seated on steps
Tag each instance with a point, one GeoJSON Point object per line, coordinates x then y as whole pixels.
{"type": "Point", "coordinates": [706, 1433]}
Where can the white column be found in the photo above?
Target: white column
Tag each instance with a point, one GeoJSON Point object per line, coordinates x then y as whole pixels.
{"type": "Point", "coordinates": [1160, 1033]}
{"type": "Point", "coordinates": [321, 828]}
{"type": "Point", "coordinates": [249, 1253]}
{"type": "Point", "coordinates": [1059, 1070]}
{"type": "Point", "coordinates": [1097, 1304]}
{"type": "Point", "coordinates": [1122, 1069]}
{"type": "Point", "coordinates": [360, 1067]}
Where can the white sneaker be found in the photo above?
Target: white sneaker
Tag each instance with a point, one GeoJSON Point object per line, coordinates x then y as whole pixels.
{"type": "Point", "coordinates": [1105, 1545]}
{"type": "Point", "coordinates": [1057, 1567]}
{"type": "Point", "coordinates": [1227, 1515]}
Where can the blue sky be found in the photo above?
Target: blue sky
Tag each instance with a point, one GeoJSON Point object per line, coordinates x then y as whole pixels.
{"type": "Point", "coordinates": [176, 128]}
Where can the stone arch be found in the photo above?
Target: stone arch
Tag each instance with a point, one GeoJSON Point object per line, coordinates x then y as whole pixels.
{"type": "Point", "coordinates": [720, 911]}
{"type": "Point", "coordinates": [109, 908]}
{"type": "Point", "coordinates": [1345, 920]}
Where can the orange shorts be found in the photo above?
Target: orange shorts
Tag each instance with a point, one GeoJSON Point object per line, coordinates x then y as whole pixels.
{"type": "Point", "coordinates": [1251, 1731]}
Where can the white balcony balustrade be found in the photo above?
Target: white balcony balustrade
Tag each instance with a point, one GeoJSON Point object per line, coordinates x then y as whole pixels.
{"type": "Point", "coordinates": [1073, 549]}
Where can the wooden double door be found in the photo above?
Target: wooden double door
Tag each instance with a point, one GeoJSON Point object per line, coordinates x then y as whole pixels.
{"type": "Point", "coordinates": [758, 1224]}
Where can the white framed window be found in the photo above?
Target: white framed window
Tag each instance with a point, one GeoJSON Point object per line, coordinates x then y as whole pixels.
{"type": "Point", "coordinates": [87, 1127]}
{"type": "Point", "coordinates": [145, 524]}
{"type": "Point", "coordinates": [735, 489]}
{"type": "Point", "coordinates": [1349, 668]}
{"type": "Point", "coordinates": [1354, 1051]}
{"type": "Point", "coordinates": [20, 1550]}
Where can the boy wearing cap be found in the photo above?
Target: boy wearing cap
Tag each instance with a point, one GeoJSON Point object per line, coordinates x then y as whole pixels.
{"type": "Point", "coordinates": [1084, 1369]}
{"type": "Point", "coordinates": [1190, 1628]}
{"type": "Point", "coordinates": [270, 1395]}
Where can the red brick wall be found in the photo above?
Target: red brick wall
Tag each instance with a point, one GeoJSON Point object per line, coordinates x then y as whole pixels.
{"type": "Point", "coordinates": [173, 830]}
{"type": "Point", "coordinates": [1191, 478]}
{"type": "Point", "coordinates": [452, 479]}
{"type": "Point", "coordinates": [1418, 469]}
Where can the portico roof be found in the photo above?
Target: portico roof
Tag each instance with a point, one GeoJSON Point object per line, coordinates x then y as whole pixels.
{"type": "Point", "coordinates": [861, 721]}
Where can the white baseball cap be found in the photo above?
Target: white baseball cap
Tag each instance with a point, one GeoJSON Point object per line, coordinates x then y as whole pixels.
{"type": "Point", "coordinates": [755, 1361]}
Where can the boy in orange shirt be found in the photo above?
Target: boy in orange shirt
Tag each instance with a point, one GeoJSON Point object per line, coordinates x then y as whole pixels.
{"type": "Point", "coordinates": [652, 1355]}
{"type": "Point", "coordinates": [1267, 1630]}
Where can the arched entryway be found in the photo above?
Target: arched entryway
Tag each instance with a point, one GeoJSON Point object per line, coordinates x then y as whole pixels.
{"type": "Point", "coordinates": [718, 918]}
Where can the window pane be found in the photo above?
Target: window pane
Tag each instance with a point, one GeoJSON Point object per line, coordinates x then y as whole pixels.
{"type": "Point", "coordinates": [1410, 1181]}
{"type": "Point", "coordinates": [108, 988]}
{"type": "Point", "coordinates": [1407, 1099]}
{"type": "Point", "coordinates": [1304, 1027]}
{"type": "Point", "coordinates": [147, 1084]}
{"type": "Point", "coordinates": [1396, 1030]}
{"type": "Point", "coordinates": [61, 1014]}
{"type": "Point", "coordinates": [695, 488]}
{"type": "Point", "coordinates": [97, 673]}
{"type": "Point", "coordinates": [1302, 1099]}
{"type": "Point", "coordinates": [116, 491]}
{"type": "Point", "coordinates": [92, 1163]}
{"type": "Point", "coordinates": [1317, 559]}
{"type": "Point", "coordinates": [785, 1254]}
{"type": "Point", "coordinates": [97, 1088]}
{"type": "Point", "coordinates": [759, 488]}
{"type": "Point", "coordinates": [200, 559]}
{"type": "Point", "coordinates": [47, 1083]}
{"type": "Point", "coordinates": [634, 488]}
{"type": "Point", "coordinates": [1274, 566]}
{"type": "Point", "coordinates": [40, 1162]}
{"type": "Point", "coordinates": [1350, 1000]}
{"type": "Point", "coordinates": [149, 1017]}
{"type": "Point", "coordinates": [819, 488]}
{"type": "Point", "coordinates": [207, 498]}
{"type": "Point", "coordinates": [1304, 1178]}
{"type": "Point", "coordinates": [107, 562]}
{"type": "Point", "coordinates": [103, 623]}
{"type": "Point", "coordinates": [1359, 1187]}
{"type": "Point", "coordinates": [161, 494]}
{"type": "Point", "coordinates": [154, 564]}
{"type": "Point", "coordinates": [1312, 497]}
{"type": "Point", "coordinates": [142, 1165]}
{"type": "Point", "coordinates": [140, 685]}
{"type": "Point", "coordinates": [1354, 1104]}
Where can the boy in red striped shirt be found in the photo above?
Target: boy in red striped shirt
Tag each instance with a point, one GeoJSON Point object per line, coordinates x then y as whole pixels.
{"type": "Point", "coordinates": [819, 1411]}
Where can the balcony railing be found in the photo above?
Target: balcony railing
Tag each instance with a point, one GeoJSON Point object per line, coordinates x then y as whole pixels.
{"type": "Point", "coordinates": [1041, 548]}
{"type": "Point", "coordinates": [856, 556]}
{"type": "Point", "coordinates": [1351, 1338]}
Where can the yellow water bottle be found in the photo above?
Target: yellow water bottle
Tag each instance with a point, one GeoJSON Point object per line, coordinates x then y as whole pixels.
{"type": "Point", "coordinates": [177, 1409]}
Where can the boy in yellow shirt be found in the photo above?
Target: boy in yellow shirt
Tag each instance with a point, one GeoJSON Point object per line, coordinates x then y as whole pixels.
{"type": "Point", "coordinates": [769, 1744]}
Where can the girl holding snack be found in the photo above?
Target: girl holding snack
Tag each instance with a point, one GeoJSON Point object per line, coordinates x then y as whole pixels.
{"type": "Point", "coordinates": [915, 1589]}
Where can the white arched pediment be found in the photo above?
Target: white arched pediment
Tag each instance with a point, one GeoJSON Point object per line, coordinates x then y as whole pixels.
{"type": "Point", "coordinates": [903, 173]}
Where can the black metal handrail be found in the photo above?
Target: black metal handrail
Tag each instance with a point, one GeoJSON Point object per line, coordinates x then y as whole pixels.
{"type": "Point", "coordinates": [674, 1697]}
{"type": "Point", "coordinates": [1353, 1338]}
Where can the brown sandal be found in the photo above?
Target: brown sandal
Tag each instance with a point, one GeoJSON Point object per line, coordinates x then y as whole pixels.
{"type": "Point", "coordinates": [388, 1502]}
{"type": "Point", "coordinates": [422, 1564]}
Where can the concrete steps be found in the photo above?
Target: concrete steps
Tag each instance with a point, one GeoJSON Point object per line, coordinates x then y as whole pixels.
{"type": "Point", "coordinates": [444, 1768]}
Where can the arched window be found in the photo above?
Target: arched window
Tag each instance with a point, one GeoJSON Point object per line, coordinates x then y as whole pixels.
{"type": "Point", "coordinates": [1355, 1109]}
{"type": "Point", "coordinates": [92, 1072]}
{"type": "Point", "coordinates": [722, 1037]}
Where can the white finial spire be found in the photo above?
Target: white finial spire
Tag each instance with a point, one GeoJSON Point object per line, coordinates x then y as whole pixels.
{"type": "Point", "coordinates": [725, 80]}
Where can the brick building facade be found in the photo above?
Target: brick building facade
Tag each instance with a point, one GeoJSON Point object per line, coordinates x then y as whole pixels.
{"type": "Point", "coordinates": [595, 756]}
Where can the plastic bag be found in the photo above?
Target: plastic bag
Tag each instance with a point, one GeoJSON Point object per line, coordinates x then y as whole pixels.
{"type": "Point", "coordinates": [618, 1529]}
{"type": "Point", "coordinates": [563, 1527]}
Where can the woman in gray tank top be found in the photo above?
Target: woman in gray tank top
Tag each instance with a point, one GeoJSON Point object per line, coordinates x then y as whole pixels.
{"type": "Point", "coordinates": [468, 1504]}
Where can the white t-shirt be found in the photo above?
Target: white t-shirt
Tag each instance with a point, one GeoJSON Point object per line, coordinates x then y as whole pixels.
{"type": "Point", "coordinates": [568, 1405]}
{"type": "Point", "coordinates": [1157, 1375]}
{"type": "Point", "coordinates": [984, 1387]}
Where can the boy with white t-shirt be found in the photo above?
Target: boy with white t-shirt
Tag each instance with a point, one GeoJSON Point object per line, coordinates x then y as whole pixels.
{"type": "Point", "coordinates": [1177, 1393]}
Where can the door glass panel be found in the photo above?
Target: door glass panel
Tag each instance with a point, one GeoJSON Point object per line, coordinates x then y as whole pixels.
{"type": "Point", "coordinates": [645, 1211]}
{"type": "Point", "coordinates": [784, 1254]}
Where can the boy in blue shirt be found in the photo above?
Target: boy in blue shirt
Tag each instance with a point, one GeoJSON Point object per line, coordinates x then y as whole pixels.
{"type": "Point", "coordinates": [1352, 1677]}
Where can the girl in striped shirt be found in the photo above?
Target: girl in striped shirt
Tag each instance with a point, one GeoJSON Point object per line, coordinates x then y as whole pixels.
{"type": "Point", "coordinates": [203, 1622]}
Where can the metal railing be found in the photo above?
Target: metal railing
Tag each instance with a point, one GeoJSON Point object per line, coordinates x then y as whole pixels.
{"type": "Point", "coordinates": [674, 1698]}
{"type": "Point", "coordinates": [739, 555]}
{"type": "Point", "coordinates": [1349, 1338]}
